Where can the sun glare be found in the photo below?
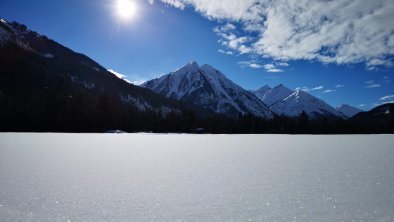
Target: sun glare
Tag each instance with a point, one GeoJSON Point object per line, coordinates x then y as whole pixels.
{"type": "Point", "coordinates": [126, 9]}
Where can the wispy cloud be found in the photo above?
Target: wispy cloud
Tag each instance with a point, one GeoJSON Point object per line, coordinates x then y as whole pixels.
{"type": "Point", "coordinates": [372, 86]}
{"type": "Point", "coordinates": [250, 64]}
{"type": "Point", "coordinates": [306, 89]}
{"type": "Point", "coordinates": [272, 68]}
{"type": "Point", "coordinates": [225, 52]}
{"type": "Point", "coordinates": [362, 105]}
{"type": "Point", "coordinates": [387, 97]}
{"type": "Point", "coordinates": [341, 32]}
{"type": "Point", "coordinates": [386, 79]}
{"type": "Point", "coordinates": [369, 82]}
{"type": "Point", "coordinates": [339, 86]}
{"type": "Point", "coordinates": [317, 88]}
{"type": "Point", "coordinates": [329, 91]}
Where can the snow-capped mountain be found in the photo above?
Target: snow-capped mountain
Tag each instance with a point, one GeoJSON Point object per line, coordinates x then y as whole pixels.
{"type": "Point", "coordinates": [348, 111]}
{"type": "Point", "coordinates": [270, 96]}
{"type": "Point", "coordinates": [208, 87]}
{"type": "Point", "coordinates": [283, 101]}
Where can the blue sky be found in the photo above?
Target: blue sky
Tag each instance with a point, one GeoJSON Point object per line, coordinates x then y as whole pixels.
{"type": "Point", "coordinates": [334, 53]}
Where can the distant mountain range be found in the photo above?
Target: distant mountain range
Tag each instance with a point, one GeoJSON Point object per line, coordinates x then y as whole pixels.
{"type": "Point", "coordinates": [206, 86]}
{"type": "Point", "coordinates": [45, 86]}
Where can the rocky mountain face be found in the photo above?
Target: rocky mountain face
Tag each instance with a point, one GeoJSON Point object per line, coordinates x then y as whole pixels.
{"type": "Point", "coordinates": [283, 101]}
{"type": "Point", "coordinates": [208, 87]}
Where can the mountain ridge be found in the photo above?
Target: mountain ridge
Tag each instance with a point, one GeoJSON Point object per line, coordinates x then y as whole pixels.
{"type": "Point", "coordinates": [208, 87]}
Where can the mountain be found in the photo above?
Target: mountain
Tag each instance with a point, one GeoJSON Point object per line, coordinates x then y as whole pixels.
{"type": "Point", "coordinates": [270, 96]}
{"type": "Point", "coordinates": [46, 86]}
{"type": "Point", "coordinates": [208, 87]}
{"type": "Point", "coordinates": [348, 111]}
{"type": "Point", "coordinates": [283, 101]}
{"type": "Point", "coordinates": [378, 120]}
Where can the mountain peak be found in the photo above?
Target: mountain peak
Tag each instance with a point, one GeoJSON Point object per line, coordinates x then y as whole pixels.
{"type": "Point", "coordinates": [347, 110]}
{"type": "Point", "coordinates": [208, 87]}
{"type": "Point", "coordinates": [193, 63]}
{"type": "Point", "coordinates": [264, 88]}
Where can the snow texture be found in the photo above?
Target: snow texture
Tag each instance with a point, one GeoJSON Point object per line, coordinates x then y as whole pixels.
{"type": "Point", "coordinates": [210, 88]}
{"type": "Point", "coordinates": [145, 177]}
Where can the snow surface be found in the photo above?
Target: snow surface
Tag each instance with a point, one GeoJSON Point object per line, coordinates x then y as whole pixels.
{"type": "Point", "coordinates": [146, 177]}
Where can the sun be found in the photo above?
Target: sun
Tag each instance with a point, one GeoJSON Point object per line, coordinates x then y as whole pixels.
{"type": "Point", "coordinates": [126, 9]}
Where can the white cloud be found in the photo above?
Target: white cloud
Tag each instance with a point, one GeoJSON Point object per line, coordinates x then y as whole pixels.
{"type": "Point", "coordinates": [232, 41]}
{"type": "Point", "coordinates": [250, 64]}
{"type": "Point", "coordinates": [329, 91]}
{"type": "Point", "coordinates": [339, 86]}
{"type": "Point", "coordinates": [272, 68]}
{"type": "Point", "coordinates": [225, 52]}
{"type": "Point", "coordinates": [317, 88]}
{"type": "Point", "coordinates": [372, 86]}
{"type": "Point", "coordinates": [341, 31]}
{"type": "Point", "coordinates": [387, 97]}
{"type": "Point", "coordinates": [306, 89]}
{"type": "Point", "coordinates": [362, 105]}
{"type": "Point", "coordinates": [284, 64]}
{"type": "Point", "coordinates": [119, 75]}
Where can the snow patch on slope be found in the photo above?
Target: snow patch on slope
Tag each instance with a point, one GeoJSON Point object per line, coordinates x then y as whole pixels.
{"type": "Point", "coordinates": [208, 87]}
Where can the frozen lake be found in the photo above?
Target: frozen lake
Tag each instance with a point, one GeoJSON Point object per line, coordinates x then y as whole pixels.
{"type": "Point", "coordinates": [142, 177]}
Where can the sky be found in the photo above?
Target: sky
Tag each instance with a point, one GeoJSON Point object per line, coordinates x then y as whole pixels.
{"type": "Point", "coordinates": [340, 51]}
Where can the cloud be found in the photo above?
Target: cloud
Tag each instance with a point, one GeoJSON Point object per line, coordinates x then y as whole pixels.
{"type": "Point", "coordinates": [387, 97]}
{"type": "Point", "coordinates": [369, 82]}
{"type": "Point", "coordinates": [329, 91]}
{"type": "Point", "coordinates": [341, 32]}
{"type": "Point", "coordinates": [272, 68]}
{"type": "Point", "coordinates": [284, 64]}
{"type": "Point", "coordinates": [231, 40]}
{"type": "Point", "coordinates": [119, 75]}
{"type": "Point", "coordinates": [362, 105]}
{"type": "Point", "coordinates": [225, 52]}
{"type": "Point", "coordinates": [250, 64]}
{"type": "Point", "coordinates": [317, 88]}
{"type": "Point", "coordinates": [372, 86]}
{"type": "Point", "coordinates": [306, 89]}
{"type": "Point", "coordinates": [339, 86]}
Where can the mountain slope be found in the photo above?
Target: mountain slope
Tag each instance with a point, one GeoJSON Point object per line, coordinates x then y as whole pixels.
{"type": "Point", "coordinates": [299, 101]}
{"type": "Point", "coordinates": [378, 120]}
{"type": "Point", "coordinates": [348, 111]}
{"type": "Point", "coordinates": [270, 96]}
{"type": "Point", "coordinates": [44, 85]}
{"type": "Point", "coordinates": [208, 87]}
{"type": "Point", "coordinates": [283, 101]}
